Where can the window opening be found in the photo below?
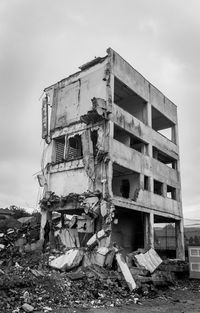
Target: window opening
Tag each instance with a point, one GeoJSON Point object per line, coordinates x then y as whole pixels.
{"type": "Point", "coordinates": [158, 187]}
{"type": "Point", "coordinates": [74, 148]}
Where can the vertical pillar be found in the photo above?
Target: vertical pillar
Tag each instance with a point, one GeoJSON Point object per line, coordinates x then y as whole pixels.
{"type": "Point", "coordinates": [151, 230]}
{"type": "Point", "coordinates": [164, 190]}
{"type": "Point", "coordinates": [43, 223]}
{"type": "Point", "coordinates": [141, 181]}
{"type": "Point", "coordinates": [180, 249]}
{"type": "Point", "coordinates": [109, 177]}
{"type": "Point", "coordinates": [148, 230]}
{"type": "Point", "coordinates": [151, 187]}
{"type": "Point", "coordinates": [149, 114]}
{"type": "Point", "coordinates": [174, 134]}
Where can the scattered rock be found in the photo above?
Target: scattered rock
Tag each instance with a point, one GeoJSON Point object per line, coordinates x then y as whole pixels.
{"type": "Point", "coordinates": [27, 307]}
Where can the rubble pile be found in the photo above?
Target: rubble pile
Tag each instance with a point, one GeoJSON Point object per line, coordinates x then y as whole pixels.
{"type": "Point", "coordinates": [15, 240]}
{"type": "Point", "coordinates": [75, 264]}
{"type": "Point", "coordinates": [32, 281]}
{"type": "Point", "coordinates": [46, 287]}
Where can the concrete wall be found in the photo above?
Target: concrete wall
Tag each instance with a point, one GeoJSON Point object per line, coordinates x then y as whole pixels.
{"type": "Point", "coordinates": [64, 182]}
{"type": "Point", "coordinates": [133, 181]}
{"type": "Point", "coordinates": [74, 99]}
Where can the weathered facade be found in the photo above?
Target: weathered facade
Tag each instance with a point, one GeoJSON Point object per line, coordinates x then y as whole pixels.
{"type": "Point", "coordinates": [106, 160]}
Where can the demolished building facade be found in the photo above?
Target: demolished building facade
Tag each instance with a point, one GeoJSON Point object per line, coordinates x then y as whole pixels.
{"type": "Point", "coordinates": [107, 168]}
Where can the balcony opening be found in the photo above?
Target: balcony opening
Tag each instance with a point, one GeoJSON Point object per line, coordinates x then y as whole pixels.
{"type": "Point", "coordinates": [59, 149]}
{"type": "Point", "coordinates": [146, 183]}
{"type": "Point", "coordinates": [158, 187]}
{"type": "Point", "coordinates": [125, 183]}
{"type": "Point", "coordinates": [129, 101]}
{"type": "Point", "coordinates": [162, 124]}
{"type": "Point", "coordinates": [171, 192]}
{"type": "Point", "coordinates": [129, 140]}
{"type": "Point", "coordinates": [74, 148]}
{"type": "Point", "coordinates": [164, 158]}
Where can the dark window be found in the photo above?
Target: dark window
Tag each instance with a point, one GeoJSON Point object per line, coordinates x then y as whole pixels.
{"type": "Point", "coordinates": [59, 149]}
{"type": "Point", "coordinates": [158, 188]}
{"type": "Point", "coordinates": [74, 148]}
{"type": "Point", "coordinates": [146, 183]}
{"type": "Point", "coordinates": [125, 188]}
{"type": "Point", "coordinates": [94, 137]}
{"type": "Point", "coordinates": [171, 192]}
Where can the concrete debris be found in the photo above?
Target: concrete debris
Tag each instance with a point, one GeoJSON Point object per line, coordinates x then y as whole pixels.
{"type": "Point", "coordinates": [174, 266]}
{"type": "Point", "coordinates": [125, 271]}
{"type": "Point", "coordinates": [150, 260]}
{"type": "Point", "coordinates": [67, 261]}
{"type": "Point", "coordinates": [27, 307]}
{"type": "Point", "coordinates": [47, 309]}
{"type": "Point", "coordinates": [97, 237]}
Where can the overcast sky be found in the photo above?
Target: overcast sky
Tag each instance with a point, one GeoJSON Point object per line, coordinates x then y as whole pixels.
{"type": "Point", "coordinates": [43, 41]}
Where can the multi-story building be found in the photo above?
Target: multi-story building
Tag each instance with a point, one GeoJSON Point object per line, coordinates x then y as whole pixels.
{"type": "Point", "coordinates": [112, 149]}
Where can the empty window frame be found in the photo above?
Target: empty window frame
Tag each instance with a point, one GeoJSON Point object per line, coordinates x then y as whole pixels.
{"type": "Point", "coordinates": [162, 124]}
{"type": "Point", "coordinates": [59, 149]}
{"type": "Point", "coordinates": [129, 101]}
{"type": "Point", "coordinates": [74, 148]}
{"type": "Point", "coordinates": [164, 158]}
{"type": "Point", "coordinates": [125, 182]}
{"type": "Point", "coordinates": [129, 140]}
{"type": "Point", "coordinates": [171, 192]}
{"type": "Point", "coordinates": [94, 138]}
{"type": "Point", "coordinates": [146, 182]}
{"type": "Point", "coordinates": [158, 187]}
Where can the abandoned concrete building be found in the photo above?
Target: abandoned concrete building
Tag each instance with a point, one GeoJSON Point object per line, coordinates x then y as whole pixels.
{"type": "Point", "coordinates": [110, 163]}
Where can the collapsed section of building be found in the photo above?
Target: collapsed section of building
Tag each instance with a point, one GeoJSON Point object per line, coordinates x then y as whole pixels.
{"type": "Point", "coordinates": [110, 165]}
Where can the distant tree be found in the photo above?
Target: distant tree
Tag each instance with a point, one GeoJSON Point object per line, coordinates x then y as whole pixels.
{"type": "Point", "coordinates": [18, 212]}
{"type": "Point", "coordinates": [196, 240]}
{"type": "Point", "coordinates": [191, 241]}
{"type": "Point", "coordinates": [37, 216]}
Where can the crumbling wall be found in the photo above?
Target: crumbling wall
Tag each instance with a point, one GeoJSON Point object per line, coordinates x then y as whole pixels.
{"type": "Point", "coordinates": [72, 97]}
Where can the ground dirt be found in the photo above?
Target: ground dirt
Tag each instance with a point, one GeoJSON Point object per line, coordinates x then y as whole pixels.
{"type": "Point", "coordinates": [182, 298]}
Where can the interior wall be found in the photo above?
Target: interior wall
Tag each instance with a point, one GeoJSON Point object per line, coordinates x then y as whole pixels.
{"type": "Point", "coordinates": [128, 233]}
{"type": "Point", "coordinates": [133, 181]}
{"type": "Point", "coordinates": [135, 106]}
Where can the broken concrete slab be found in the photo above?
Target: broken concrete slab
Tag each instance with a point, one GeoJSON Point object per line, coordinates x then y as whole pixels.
{"type": "Point", "coordinates": [138, 271]}
{"type": "Point", "coordinates": [125, 271]}
{"type": "Point", "coordinates": [67, 261]}
{"type": "Point", "coordinates": [150, 260]}
{"type": "Point", "coordinates": [69, 238]}
{"type": "Point", "coordinates": [76, 275]}
{"type": "Point", "coordinates": [162, 278]}
{"type": "Point", "coordinates": [98, 236]}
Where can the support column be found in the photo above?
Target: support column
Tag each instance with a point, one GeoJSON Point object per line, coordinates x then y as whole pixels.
{"type": "Point", "coordinates": [141, 181]}
{"type": "Point", "coordinates": [164, 190]}
{"type": "Point", "coordinates": [174, 136]}
{"type": "Point", "coordinates": [180, 249]}
{"type": "Point", "coordinates": [148, 230]}
{"type": "Point", "coordinates": [151, 184]}
{"type": "Point", "coordinates": [43, 223]}
{"type": "Point", "coordinates": [151, 230]}
{"type": "Point", "coordinates": [149, 114]}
